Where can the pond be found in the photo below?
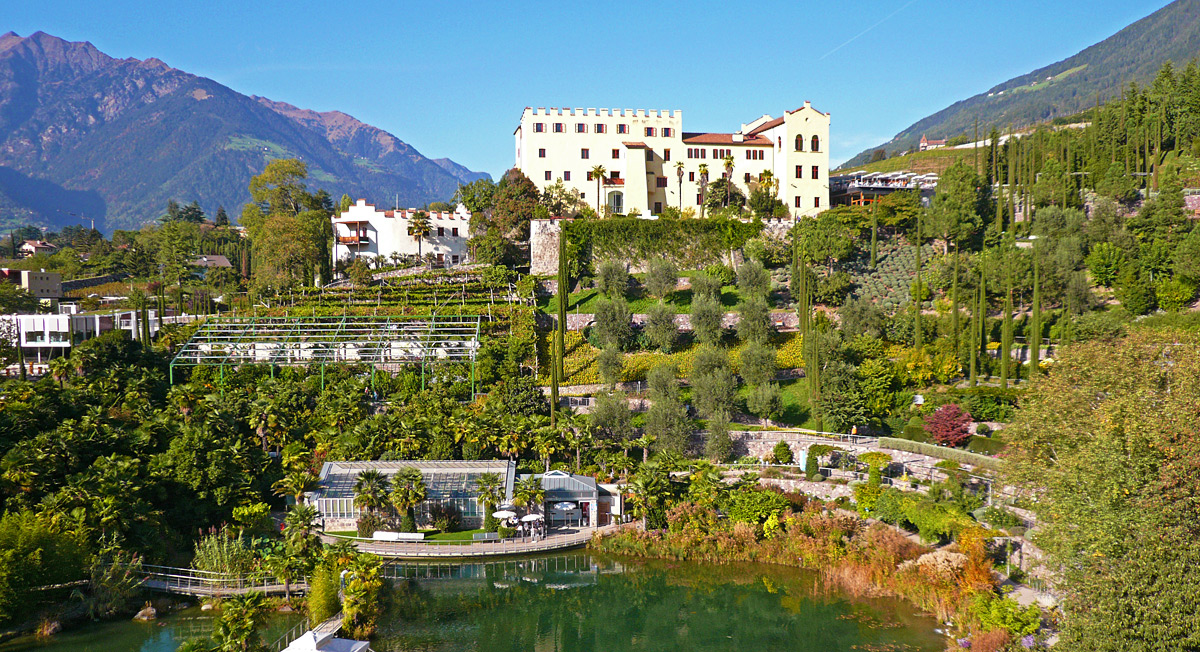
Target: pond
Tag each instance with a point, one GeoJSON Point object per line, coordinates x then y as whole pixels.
{"type": "Point", "coordinates": [581, 601]}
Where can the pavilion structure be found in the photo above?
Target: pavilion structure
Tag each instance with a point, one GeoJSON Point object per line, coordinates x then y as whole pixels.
{"type": "Point", "coordinates": [385, 342]}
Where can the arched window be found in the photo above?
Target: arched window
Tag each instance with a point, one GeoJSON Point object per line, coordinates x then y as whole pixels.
{"type": "Point", "coordinates": [816, 144]}
{"type": "Point", "coordinates": [799, 143]}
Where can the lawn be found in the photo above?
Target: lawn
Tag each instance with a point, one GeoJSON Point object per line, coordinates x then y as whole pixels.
{"type": "Point", "coordinates": [461, 535]}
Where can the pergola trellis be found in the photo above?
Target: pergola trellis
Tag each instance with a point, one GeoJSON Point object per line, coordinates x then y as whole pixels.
{"type": "Point", "coordinates": [384, 342]}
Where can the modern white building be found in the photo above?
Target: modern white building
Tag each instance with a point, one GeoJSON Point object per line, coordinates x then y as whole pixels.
{"type": "Point", "coordinates": [641, 151]}
{"type": "Point", "coordinates": [364, 231]}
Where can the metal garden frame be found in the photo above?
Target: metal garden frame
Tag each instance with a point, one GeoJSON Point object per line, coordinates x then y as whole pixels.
{"type": "Point", "coordinates": [385, 342]}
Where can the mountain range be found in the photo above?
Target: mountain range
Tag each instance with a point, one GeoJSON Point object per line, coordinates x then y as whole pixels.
{"type": "Point", "coordinates": [87, 136]}
{"type": "Point", "coordinates": [1067, 87]}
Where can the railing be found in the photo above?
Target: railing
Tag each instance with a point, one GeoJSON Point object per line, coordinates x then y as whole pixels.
{"type": "Point", "coordinates": [192, 581]}
{"type": "Point", "coordinates": [513, 546]}
{"type": "Point", "coordinates": [289, 636]}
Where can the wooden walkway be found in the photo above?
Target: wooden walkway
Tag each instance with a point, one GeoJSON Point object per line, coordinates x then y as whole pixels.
{"type": "Point", "coordinates": [504, 547]}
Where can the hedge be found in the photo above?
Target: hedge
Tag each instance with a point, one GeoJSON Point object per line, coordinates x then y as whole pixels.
{"type": "Point", "coordinates": [985, 445]}
{"type": "Point", "coordinates": [952, 454]}
{"type": "Point", "coordinates": [691, 243]}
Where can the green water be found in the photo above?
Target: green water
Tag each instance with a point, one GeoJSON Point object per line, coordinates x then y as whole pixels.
{"type": "Point", "coordinates": [585, 602]}
{"type": "Point", "coordinates": [163, 635]}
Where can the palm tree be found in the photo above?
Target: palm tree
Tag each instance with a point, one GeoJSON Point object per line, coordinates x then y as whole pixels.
{"type": "Point", "coordinates": [598, 173]}
{"type": "Point", "coordinates": [728, 178]}
{"type": "Point", "coordinates": [299, 533]}
{"type": "Point", "coordinates": [241, 619]}
{"type": "Point", "coordinates": [491, 492]}
{"type": "Point", "coordinates": [766, 181]}
{"type": "Point", "coordinates": [705, 485]}
{"type": "Point", "coordinates": [371, 491]}
{"type": "Point", "coordinates": [679, 176]}
{"type": "Point", "coordinates": [703, 187]}
{"type": "Point", "coordinates": [530, 493]}
{"type": "Point", "coordinates": [419, 227]}
{"type": "Point", "coordinates": [264, 417]}
{"type": "Point", "coordinates": [644, 442]}
{"type": "Point", "coordinates": [647, 490]}
{"type": "Point", "coordinates": [295, 484]}
{"type": "Point", "coordinates": [60, 369]}
{"type": "Point", "coordinates": [408, 491]}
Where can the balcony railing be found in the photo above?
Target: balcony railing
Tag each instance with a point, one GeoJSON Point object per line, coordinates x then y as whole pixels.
{"type": "Point", "coordinates": [352, 239]}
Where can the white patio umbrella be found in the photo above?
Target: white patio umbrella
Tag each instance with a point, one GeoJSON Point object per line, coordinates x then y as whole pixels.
{"type": "Point", "coordinates": [504, 514]}
{"type": "Point", "coordinates": [528, 518]}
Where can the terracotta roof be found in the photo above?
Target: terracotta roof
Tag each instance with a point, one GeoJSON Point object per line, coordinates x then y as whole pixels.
{"type": "Point", "coordinates": [765, 126]}
{"type": "Point", "coordinates": [723, 139]}
{"type": "Point", "coordinates": [635, 145]}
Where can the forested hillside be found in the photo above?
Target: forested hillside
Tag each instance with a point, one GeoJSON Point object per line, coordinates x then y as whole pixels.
{"type": "Point", "coordinates": [84, 134]}
{"type": "Point", "coordinates": [1066, 87]}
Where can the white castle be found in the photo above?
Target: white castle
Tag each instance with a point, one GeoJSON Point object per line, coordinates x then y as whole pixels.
{"type": "Point", "coordinates": [641, 151]}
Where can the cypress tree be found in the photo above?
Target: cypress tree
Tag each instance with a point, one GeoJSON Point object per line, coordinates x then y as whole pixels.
{"type": "Point", "coordinates": [955, 322]}
{"type": "Point", "coordinates": [874, 234]}
{"type": "Point", "coordinates": [1006, 333]}
{"type": "Point", "coordinates": [983, 304]}
{"type": "Point", "coordinates": [920, 293]}
{"type": "Point", "coordinates": [1035, 350]}
{"type": "Point", "coordinates": [564, 288]}
{"type": "Point", "coordinates": [974, 374]}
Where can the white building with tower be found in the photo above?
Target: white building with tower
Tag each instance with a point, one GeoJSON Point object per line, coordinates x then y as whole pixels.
{"type": "Point", "coordinates": [641, 152]}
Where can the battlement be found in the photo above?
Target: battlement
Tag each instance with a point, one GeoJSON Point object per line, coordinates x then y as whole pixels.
{"type": "Point", "coordinates": [603, 113]}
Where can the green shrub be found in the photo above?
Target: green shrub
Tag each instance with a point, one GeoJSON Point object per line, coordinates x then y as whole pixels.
{"type": "Point", "coordinates": [506, 532]}
{"type": "Point", "coordinates": [782, 453]}
{"type": "Point", "coordinates": [323, 602]}
{"type": "Point", "coordinates": [954, 455]}
{"type": "Point", "coordinates": [985, 445]}
{"type": "Point", "coordinates": [915, 430]}
{"type": "Point", "coordinates": [754, 505]}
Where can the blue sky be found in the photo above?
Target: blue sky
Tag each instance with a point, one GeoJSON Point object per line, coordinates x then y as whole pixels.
{"type": "Point", "coordinates": [451, 78]}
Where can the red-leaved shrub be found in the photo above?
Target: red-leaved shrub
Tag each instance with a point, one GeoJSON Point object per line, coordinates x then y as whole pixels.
{"type": "Point", "coordinates": [949, 425]}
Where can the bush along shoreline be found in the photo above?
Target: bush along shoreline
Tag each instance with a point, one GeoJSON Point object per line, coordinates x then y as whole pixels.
{"type": "Point", "coordinates": [863, 558]}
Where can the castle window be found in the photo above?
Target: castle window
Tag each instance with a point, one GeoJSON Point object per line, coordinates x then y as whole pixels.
{"type": "Point", "coordinates": [799, 171]}
{"type": "Point", "coordinates": [667, 133]}
{"type": "Point", "coordinates": [622, 129]}
{"type": "Point", "coordinates": [816, 202]}
{"type": "Point", "coordinates": [691, 176]}
{"type": "Point", "coordinates": [539, 127]}
{"type": "Point", "coordinates": [580, 128]}
{"type": "Point", "coordinates": [651, 131]}
{"type": "Point", "coordinates": [657, 207]}
{"type": "Point", "coordinates": [799, 143]}
{"type": "Point", "coordinates": [558, 127]}
{"type": "Point", "coordinates": [567, 175]}
{"type": "Point", "coordinates": [542, 152]}
{"type": "Point", "coordinates": [547, 175]}
{"type": "Point", "coordinates": [454, 233]}
{"type": "Point", "coordinates": [798, 201]}
{"type": "Point", "coordinates": [441, 231]}
{"type": "Point", "coordinates": [583, 153]}
{"type": "Point", "coordinates": [816, 144]}
{"type": "Point", "coordinates": [747, 178]}
{"type": "Point", "coordinates": [662, 182]}
{"type": "Point", "coordinates": [601, 128]}
{"type": "Point", "coordinates": [816, 171]}
{"type": "Point", "coordinates": [666, 154]}
{"type": "Point", "coordinates": [616, 154]}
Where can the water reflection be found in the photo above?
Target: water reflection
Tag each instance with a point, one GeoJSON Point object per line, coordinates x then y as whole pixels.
{"type": "Point", "coordinates": [585, 602]}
